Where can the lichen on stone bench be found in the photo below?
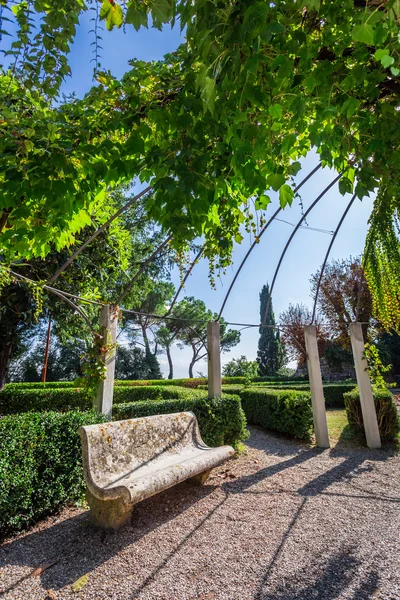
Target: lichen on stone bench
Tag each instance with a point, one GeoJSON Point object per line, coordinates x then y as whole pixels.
{"type": "Point", "coordinates": [127, 461]}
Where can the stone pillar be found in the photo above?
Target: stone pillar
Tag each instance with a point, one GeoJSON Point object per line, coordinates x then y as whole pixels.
{"type": "Point", "coordinates": [214, 359]}
{"type": "Point", "coordinates": [317, 391]}
{"type": "Point", "coordinates": [364, 386]}
{"type": "Point", "coordinates": [108, 331]}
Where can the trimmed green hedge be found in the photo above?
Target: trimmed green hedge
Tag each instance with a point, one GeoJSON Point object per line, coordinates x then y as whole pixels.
{"type": "Point", "coordinates": [38, 385]}
{"type": "Point", "coordinates": [333, 392]}
{"type": "Point", "coordinates": [187, 383]}
{"type": "Point", "coordinates": [41, 458]}
{"type": "Point", "coordinates": [14, 401]}
{"type": "Point", "coordinates": [386, 411]}
{"type": "Point", "coordinates": [284, 411]}
{"type": "Point", "coordinates": [40, 464]}
{"type": "Point", "coordinates": [221, 420]}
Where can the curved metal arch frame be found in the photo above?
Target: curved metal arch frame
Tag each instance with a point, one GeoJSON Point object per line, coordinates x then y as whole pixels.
{"type": "Point", "coordinates": [182, 285]}
{"type": "Point", "coordinates": [263, 230]}
{"type": "Point", "coordinates": [328, 187]}
{"type": "Point", "coordinates": [327, 255]}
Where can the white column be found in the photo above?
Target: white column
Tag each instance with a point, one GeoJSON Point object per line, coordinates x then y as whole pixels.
{"type": "Point", "coordinates": [214, 360]}
{"type": "Point", "coordinates": [108, 330]}
{"type": "Point", "coordinates": [364, 387]}
{"type": "Point", "coordinates": [317, 390]}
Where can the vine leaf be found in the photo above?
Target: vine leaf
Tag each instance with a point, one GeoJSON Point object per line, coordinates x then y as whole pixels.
{"type": "Point", "coordinates": [286, 195]}
{"type": "Point", "coordinates": [161, 12]}
{"type": "Point", "coordinates": [112, 13]}
{"type": "Point", "coordinates": [136, 17]}
{"type": "Point", "coordinates": [275, 180]}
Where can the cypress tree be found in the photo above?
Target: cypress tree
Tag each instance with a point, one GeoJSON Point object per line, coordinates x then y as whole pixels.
{"type": "Point", "coordinates": [270, 355]}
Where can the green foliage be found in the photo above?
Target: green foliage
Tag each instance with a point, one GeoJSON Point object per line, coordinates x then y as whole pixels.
{"type": "Point", "coordinates": [221, 420]}
{"type": "Point", "coordinates": [33, 385]}
{"type": "Point", "coordinates": [124, 394]}
{"type": "Point", "coordinates": [386, 411]}
{"type": "Point", "coordinates": [382, 256]}
{"type": "Point", "coordinates": [16, 400]}
{"type": "Point", "coordinates": [240, 367]}
{"type": "Point", "coordinates": [132, 363]}
{"type": "Point", "coordinates": [279, 410]}
{"type": "Point", "coordinates": [376, 367]}
{"type": "Point", "coordinates": [40, 465]}
{"type": "Point", "coordinates": [222, 120]}
{"type": "Point", "coordinates": [333, 392]}
{"type": "Point", "coordinates": [93, 275]}
{"type": "Point", "coordinates": [270, 355]}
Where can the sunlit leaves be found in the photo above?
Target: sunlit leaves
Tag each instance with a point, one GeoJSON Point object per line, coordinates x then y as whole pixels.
{"type": "Point", "coordinates": [223, 119]}
{"type": "Point", "coordinates": [262, 202]}
{"type": "Point", "coordinates": [275, 180]}
{"type": "Point", "coordinates": [136, 16]}
{"type": "Point", "coordinates": [112, 13]}
{"type": "Point", "coordinates": [161, 12]}
{"type": "Point", "coordinates": [286, 195]}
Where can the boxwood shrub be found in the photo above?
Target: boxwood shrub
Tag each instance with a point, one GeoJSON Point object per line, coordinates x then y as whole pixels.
{"type": "Point", "coordinates": [14, 401]}
{"type": "Point", "coordinates": [41, 457]}
{"type": "Point", "coordinates": [386, 411]}
{"type": "Point", "coordinates": [333, 392]}
{"type": "Point", "coordinates": [40, 464]}
{"type": "Point", "coordinates": [221, 420]}
{"type": "Point", "coordinates": [285, 411]}
{"type": "Point", "coordinates": [39, 385]}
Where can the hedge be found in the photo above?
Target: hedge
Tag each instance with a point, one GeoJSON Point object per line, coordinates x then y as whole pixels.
{"type": "Point", "coordinates": [284, 411]}
{"type": "Point", "coordinates": [16, 401]}
{"type": "Point", "coordinates": [41, 458]}
{"type": "Point", "coordinates": [386, 411]}
{"type": "Point", "coordinates": [40, 464]}
{"type": "Point", "coordinates": [39, 385]}
{"type": "Point", "coordinates": [333, 392]}
{"type": "Point", "coordinates": [186, 382]}
{"type": "Point", "coordinates": [221, 420]}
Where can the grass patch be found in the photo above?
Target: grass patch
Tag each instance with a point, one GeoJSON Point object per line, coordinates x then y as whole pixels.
{"type": "Point", "coordinates": [340, 431]}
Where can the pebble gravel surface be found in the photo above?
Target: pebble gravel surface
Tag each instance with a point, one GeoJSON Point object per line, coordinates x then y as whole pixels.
{"type": "Point", "coordinates": [282, 522]}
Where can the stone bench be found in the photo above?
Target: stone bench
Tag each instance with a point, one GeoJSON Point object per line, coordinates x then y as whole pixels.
{"type": "Point", "coordinates": [127, 461]}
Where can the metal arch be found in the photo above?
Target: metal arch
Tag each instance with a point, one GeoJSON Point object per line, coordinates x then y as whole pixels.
{"type": "Point", "coordinates": [327, 256]}
{"type": "Point", "coordinates": [97, 232]}
{"type": "Point", "coordinates": [145, 264]}
{"type": "Point", "coordinates": [292, 236]}
{"type": "Point", "coordinates": [263, 230]}
{"type": "Point", "coordinates": [182, 285]}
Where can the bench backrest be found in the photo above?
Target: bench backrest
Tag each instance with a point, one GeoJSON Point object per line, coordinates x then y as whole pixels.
{"type": "Point", "coordinates": [120, 446]}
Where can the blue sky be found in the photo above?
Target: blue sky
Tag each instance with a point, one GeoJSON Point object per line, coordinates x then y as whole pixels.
{"type": "Point", "coordinates": [308, 248]}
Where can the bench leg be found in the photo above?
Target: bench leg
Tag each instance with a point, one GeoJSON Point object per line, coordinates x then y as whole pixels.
{"type": "Point", "coordinates": [108, 514]}
{"type": "Point", "coordinates": [201, 478]}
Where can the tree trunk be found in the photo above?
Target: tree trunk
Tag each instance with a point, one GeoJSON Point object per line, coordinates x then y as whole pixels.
{"type": "Point", "coordinates": [145, 339]}
{"type": "Point", "coordinates": [171, 366]}
{"type": "Point", "coordinates": [194, 360]}
{"type": "Point", "coordinates": [5, 354]}
{"type": "Point", "coordinates": [46, 353]}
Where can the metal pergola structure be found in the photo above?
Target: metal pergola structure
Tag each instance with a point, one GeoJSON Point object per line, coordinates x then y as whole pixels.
{"type": "Point", "coordinates": [109, 317]}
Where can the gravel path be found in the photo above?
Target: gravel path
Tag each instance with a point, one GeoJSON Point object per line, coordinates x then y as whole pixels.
{"type": "Point", "coordinates": [284, 522]}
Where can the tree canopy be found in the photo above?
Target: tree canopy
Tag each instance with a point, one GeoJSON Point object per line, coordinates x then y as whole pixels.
{"type": "Point", "coordinates": [212, 127]}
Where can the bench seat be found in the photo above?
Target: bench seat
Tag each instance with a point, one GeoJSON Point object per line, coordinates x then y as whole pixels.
{"type": "Point", "coordinates": [127, 461]}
